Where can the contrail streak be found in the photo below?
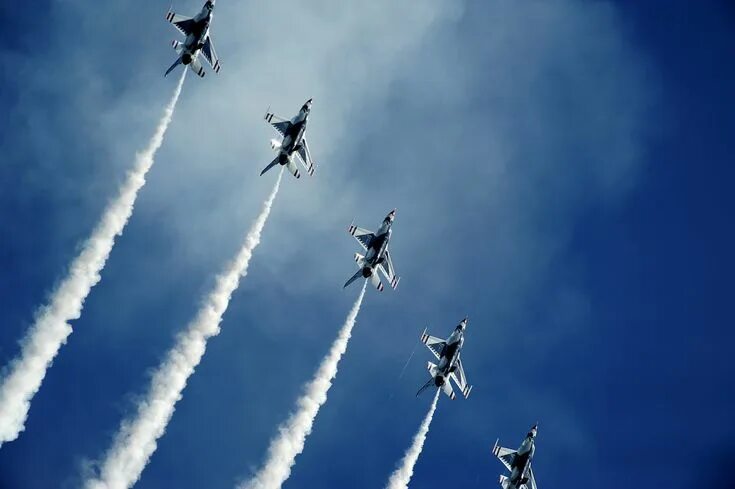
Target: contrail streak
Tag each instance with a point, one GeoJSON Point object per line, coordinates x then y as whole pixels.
{"type": "Point", "coordinates": [51, 326]}
{"type": "Point", "coordinates": [400, 477]}
{"type": "Point", "coordinates": [136, 439]}
{"type": "Point", "coordinates": [292, 434]}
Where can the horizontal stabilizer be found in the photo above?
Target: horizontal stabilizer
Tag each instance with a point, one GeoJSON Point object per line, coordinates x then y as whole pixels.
{"type": "Point", "coordinates": [504, 482]}
{"type": "Point", "coordinates": [375, 279]}
{"type": "Point", "coordinates": [293, 168]}
{"type": "Point", "coordinates": [360, 259]}
{"type": "Point", "coordinates": [196, 67]}
{"type": "Point", "coordinates": [447, 388]}
{"type": "Point", "coordinates": [177, 46]}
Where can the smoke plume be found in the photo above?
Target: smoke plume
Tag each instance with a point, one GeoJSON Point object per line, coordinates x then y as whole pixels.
{"type": "Point", "coordinates": [292, 434]}
{"type": "Point", "coordinates": [137, 438]}
{"type": "Point", "coordinates": [400, 477]}
{"type": "Point", "coordinates": [51, 326]}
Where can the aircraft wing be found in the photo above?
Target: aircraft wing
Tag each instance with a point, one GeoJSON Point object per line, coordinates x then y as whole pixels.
{"type": "Point", "coordinates": [436, 345]}
{"type": "Point", "coordinates": [305, 156]}
{"type": "Point", "coordinates": [280, 124]}
{"type": "Point", "coordinates": [184, 24]}
{"type": "Point", "coordinates": [531, 484]}
{"type": "Point", "coordinates": [363, 236]}
{"type": "Point", "coordinates": [505, 455]}
{"type": "Point", "coordinates": [461, 379]}
{"type": "Point", "coordinates": [389, 271]}
{"type": "Point", "coordinates": [211, 55]}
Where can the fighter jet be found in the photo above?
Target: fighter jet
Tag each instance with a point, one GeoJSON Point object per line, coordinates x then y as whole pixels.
{"type": "Point", "coordinates": [196, 30]}
{"type": "Point", "coordinates": [518, 462]}
{"type": "Point", "coordinates": [293, 144]}
{"type": "Point", "coordinates": [450, 365]}
{"type": "Point", "coordinates": [377, 256]}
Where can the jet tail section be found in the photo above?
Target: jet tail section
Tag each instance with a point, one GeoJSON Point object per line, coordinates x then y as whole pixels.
{"type": "Point", "coordinates": [446, 387]}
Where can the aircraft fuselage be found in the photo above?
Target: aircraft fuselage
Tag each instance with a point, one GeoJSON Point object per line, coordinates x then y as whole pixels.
{"type": "Point", "coordinates": [376, 249]}
{"type": "Point", "coordinates": [293, 137]}
{"type": "Point", "coordinates": [449, 356]}
{"type": "Point", "coordinates": [196, 39]}
{"type": "Point", "coordinates": [521, 463]}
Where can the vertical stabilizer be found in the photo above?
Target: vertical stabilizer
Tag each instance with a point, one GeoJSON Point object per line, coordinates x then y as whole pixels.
{"type": "Point", "coordinates": [270, 165]}
{"type": "Point", "coordinates": [171, 68]}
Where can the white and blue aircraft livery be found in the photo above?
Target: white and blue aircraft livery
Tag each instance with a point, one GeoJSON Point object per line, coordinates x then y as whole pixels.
{"type": "Point", "coordinates": [293, 143]}
{"type": "Point", "coordinates": [518, 462]}
{"type": "Point", "coordinates": [450, 365]}
{"type": "Point", "coordinates": [196, 30]}
{"type": "Point", "coordinates": [376, 257]}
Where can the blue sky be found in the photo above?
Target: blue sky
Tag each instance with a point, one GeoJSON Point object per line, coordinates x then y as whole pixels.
{"type": "Point", "coordinates": [562, 175]}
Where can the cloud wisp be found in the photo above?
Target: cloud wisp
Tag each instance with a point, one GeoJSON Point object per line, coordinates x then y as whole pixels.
{"type": "Point", "coordinates": [51, 326]}
{"type": "Point", "coordinates": [289, 442]}
{"type": "Point", "coordinates": [137, 438]}
{"type": "Point", "coordinates": [400, 477]}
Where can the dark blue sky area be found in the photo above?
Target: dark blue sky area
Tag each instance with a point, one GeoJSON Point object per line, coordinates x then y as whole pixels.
{"type": "Point", "coordinates": [620, 345]}
{"type": "Point", "coordinates": [659, 269]}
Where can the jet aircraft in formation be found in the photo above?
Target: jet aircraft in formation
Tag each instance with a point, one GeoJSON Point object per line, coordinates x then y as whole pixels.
{"type": "Point", "coordinates": [293, 144]}
{"type": "Point", "coordinates": [450, 365]}
{"type": "Point", "coordinates": [518, 462]}
{"type": "Point", "coordinates": [196, 30]}
{"type": "Point", "coordinates": [376, 257]}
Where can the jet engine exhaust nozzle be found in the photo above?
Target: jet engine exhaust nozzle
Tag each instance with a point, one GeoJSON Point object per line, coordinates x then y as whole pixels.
{"type": "Point", "coordinates": [367, 272]}
{"type": "Point", "coordinates": [186, 58]}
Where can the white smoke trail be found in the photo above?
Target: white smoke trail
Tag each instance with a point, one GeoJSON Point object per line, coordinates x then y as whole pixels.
{"type": "Point", "coordinates": [136, 439]}
{"type": "Point", "coordinates": [292, 434]}
{"type": "Point", "coordinates": [51, 326]}
{"type": "Point", "coordinates": [400, 477]}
